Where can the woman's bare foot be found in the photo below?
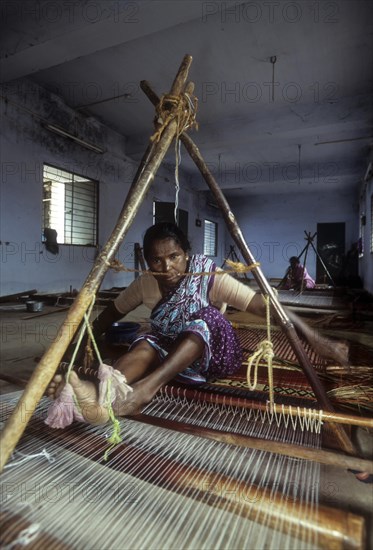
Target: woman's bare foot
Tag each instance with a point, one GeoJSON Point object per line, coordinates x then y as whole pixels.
{"type": "Point", "coordinates": [55, 386]}
{"type": "Point", "coordinates": [142, 394]}
{"type": "Point", "coordinates": [86, 396]}
{"type": "Point", "coordinates": [135, 401]}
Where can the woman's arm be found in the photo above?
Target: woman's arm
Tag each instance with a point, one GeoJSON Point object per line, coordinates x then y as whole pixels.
{"type": "Point", "coordinates": [100, 325]}
{"type": "Point", "coordinates": [329, 349]}
{"type": "Point", "coordinates": [257, 306]}
{"type": "Point", "coordinates": [243, 298]}
{"type": "Point", "coordinates": [126, 301]}
{"type": "Point", "coordinates": [105, 319]}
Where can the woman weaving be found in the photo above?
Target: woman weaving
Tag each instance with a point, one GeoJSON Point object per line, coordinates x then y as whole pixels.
{"type": "Point", "coordinates": [189, 339]}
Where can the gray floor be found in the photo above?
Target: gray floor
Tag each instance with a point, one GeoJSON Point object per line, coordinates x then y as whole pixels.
{"type": "Point", "coordinates": [26, 336]}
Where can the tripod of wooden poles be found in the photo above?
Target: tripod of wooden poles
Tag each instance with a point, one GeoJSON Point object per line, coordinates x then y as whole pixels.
{"type": "Point", "coordinates": [149, 165]}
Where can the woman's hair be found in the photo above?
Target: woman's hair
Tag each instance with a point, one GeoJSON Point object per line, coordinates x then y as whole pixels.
{"type": "Point", "coordinates": [161, 231]}
{"type": "Point", "coordinates": [294, 260]}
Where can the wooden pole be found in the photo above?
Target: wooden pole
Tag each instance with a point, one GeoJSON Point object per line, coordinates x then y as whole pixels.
{"type": "Point", "coordinates": [45, 370]}
{"type": "Point", "coordinates": [285, 323]}
{"type": "Point", "coordinates": [273, 410]}
{"type": "Point", "coordinates": [285, 449]}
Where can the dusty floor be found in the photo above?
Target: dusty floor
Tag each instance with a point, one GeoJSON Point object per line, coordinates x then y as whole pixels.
{"type": "Point", "coordinates": [25, 336]}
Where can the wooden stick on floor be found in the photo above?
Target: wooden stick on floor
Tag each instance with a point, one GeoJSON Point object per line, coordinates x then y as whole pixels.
{"type": "Point", "coordinates": [45, 370]}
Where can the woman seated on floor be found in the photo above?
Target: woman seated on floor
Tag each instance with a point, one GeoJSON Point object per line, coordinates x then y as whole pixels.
{"type": "Point", "coordinates": [296, 277]}
{"type": "Point", "coordinates": [189, 339]}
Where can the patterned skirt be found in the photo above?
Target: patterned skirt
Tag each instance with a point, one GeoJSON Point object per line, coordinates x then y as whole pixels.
{"type": "Point", "coordinates": [222, 354]}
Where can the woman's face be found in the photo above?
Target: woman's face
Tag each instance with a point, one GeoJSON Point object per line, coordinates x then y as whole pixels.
{"type": "Point", "coordinates": [169, 260]}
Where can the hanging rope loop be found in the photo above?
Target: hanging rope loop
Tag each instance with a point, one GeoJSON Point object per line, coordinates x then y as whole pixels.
{"type": "Point", "coordinates": [263, 353]}
{"type": "Point", "coordinates": [112, 387]}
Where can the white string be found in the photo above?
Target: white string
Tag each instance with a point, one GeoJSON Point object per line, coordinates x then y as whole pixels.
{"type": "Point", "coordinates": [177, 183]}
{"type": "Point", "coordinates": [44, 453]}
{"type": "Point", "coordinates": [275, 473]}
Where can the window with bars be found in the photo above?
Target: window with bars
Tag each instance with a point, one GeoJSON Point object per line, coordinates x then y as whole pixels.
{"type": "Point", "coordinates": [70, 206]}
{"type": "Point", "coordinates": [210, 242]}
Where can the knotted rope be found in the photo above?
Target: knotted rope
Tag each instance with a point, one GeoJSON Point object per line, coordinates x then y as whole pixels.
{"type": "Point", "coordinates": [263, 353]}
{"type": "Point", "coordinates": [113, 385]}
{"type": "Point", "coordinates": [183, 108]}
{"type": "Point", "coordinates": [237, 267]}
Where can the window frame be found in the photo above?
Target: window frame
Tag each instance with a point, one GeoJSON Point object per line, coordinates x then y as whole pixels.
{"type": "Point", "coordinates": [207, 248]}
{"type": "Point", "coordinates": [74, 183]}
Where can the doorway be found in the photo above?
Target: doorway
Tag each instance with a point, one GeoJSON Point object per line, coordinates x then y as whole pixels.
{"type": "Point", "coordinates": [165, 212]}
{"type": "Point", "coordinates": [331, 243]}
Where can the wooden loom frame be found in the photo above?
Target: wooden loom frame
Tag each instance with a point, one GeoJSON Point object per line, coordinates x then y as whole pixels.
{"type": "Point", "coordinates": [151, 161]}
{"type": "Point", "coordinates": [333, 528]}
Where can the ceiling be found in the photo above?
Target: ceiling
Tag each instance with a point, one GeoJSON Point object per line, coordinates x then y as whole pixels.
{"type": "Point", "coordinates": [284, 88]}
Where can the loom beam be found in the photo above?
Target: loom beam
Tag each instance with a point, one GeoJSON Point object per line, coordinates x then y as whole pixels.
{"type": "Point", "coordinates": [334, 529]}
{"type": "Point", "coordinates": [274, 447]}
{"type": "Point", "coordinates": [219, 399]}
{"type": "Point", "coordinates": [285, 323]}
{"type": "Point", "coordinates": [47, 366]}
{"type": "Point", "coordinates": [330, 417]}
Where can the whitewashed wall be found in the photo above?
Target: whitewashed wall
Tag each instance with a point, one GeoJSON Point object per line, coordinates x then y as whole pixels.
{"type": "Point", "coordinates": [274, 225]}
{"type": "Point", "coordinates": [366, 262]}
{"type": "Point", "coordinates": [25, 146]}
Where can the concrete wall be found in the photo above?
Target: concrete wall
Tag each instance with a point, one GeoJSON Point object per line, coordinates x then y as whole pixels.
{"type": "Point", "coordinates": [366, 261]}
{"type": "Point", "coordinates": [274, 225]}
{"type": "Point", "coordinates": [25, 146]}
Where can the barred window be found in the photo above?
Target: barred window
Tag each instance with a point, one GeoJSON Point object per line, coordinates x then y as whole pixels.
{"type": "Point", "coordinates": [70, 206]}
{"type": "Point", "coordinates": [210, 243]}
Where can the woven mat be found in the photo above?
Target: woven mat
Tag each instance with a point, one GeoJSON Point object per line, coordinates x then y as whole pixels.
{"type": "Point", "coordinates": [290, 383]}
{"type": "Point", "coordinates": [289, 379]}
{"type": "Point", "coordinates": [312, 299]}
{"type": "Point", "coordinates": [250, 338]}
